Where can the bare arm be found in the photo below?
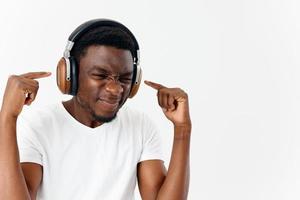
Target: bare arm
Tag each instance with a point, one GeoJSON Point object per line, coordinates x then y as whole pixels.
{"type": "Point", "coordinates": [33, 174]}
{"type": "Point", "coordinates": [151, 176]}
{"type": "Point", "coordinates": [12, 181]}
{"type": "Point", "coordinates": [154, 182]}
{"type": "Point", "coordinates": [176, 183]}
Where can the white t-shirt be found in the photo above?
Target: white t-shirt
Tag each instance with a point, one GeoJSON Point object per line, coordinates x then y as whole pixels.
{"type": "Point", "coordinates": [83, 163]}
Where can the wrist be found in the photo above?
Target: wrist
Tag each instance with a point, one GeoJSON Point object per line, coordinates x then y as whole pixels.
{"type": "Point", "coordinates": [183, 126]}
{"type": "Point", "coordinates": [182, 131]}
{"type": "Point", "coordinates": [6, 117]}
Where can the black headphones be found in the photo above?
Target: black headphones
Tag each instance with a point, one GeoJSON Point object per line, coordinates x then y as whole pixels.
{"type": "Point", "coordinates": [67, 69]}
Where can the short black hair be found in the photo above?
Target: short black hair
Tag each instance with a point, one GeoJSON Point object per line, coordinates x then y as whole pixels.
{"type": "Point", "coordinates": [102, 35]}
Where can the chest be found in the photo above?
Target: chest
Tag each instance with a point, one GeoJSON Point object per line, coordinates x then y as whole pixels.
{"type": "Point", "coordinates": [80, 165]}
{"type": "Point", "coordinates": [80, 155]}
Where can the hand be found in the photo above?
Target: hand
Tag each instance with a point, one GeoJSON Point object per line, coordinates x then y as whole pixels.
{"type": "Point", "coordinates": [20, 90]}
{"type": "Point", "coordinates": [174, 103]}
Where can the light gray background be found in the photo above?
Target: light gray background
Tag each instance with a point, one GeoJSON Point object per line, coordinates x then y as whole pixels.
{"type": "Point", "coordinates": [237, 59]}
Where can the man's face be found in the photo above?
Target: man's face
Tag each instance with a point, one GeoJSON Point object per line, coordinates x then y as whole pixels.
{"type": "Point", "coordinates": [105, 75]}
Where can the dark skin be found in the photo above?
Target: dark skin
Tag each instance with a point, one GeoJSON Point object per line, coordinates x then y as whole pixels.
{"type": "Point", "coordinates": [105, 78]}
{"type": "Point", "coordinates": [99, 94]}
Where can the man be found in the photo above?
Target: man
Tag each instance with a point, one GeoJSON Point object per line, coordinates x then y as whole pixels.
{"type": "Point", "coordinates": [92, 147]}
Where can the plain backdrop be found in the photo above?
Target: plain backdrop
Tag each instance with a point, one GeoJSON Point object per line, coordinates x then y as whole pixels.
{"type": "Point", "coordinates": [237, 59]}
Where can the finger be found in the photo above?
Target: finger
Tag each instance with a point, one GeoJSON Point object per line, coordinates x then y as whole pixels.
{"type": "Point", "coordinates": [156, 86]}
{"type": "Point", "coordinates": [165, 101]}
{"type": "Point", "coordinates": [36, 75]}
{"type": "Point", "coordinates": [29, 93]}
{"type": "Point", "coordinates": [31, 82]}
{"type": "Point", "coordinates": [30, 98]}
{"type": "Point", "coordinates": [171, 102]}
{"type": "Point", "coordinates": [29, 88]}
{"type": "Point", "coordinates": [181, 96]}
{"type": "Point", "coordinates": [159, 99]}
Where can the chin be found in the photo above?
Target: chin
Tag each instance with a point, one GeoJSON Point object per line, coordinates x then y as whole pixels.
{"type": "Point", "coordinates": [104, 118]}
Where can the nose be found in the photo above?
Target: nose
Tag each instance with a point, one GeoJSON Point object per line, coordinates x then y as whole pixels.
{"type": "Point", "coordinates": [113, 86]}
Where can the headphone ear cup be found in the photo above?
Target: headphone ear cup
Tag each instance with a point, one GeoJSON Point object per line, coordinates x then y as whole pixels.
{"type": "Point", "coordinates": [136, 83]}
{"type": "Point", "coordinates": [61, 76]}
{"type": "Point", "coordinates": [74, 76]}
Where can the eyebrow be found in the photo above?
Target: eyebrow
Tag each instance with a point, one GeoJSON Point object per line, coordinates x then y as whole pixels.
{"type": "Point", "coordinates": [103, 70]}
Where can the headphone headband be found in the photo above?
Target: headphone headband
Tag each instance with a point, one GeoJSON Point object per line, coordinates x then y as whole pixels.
{"type": "Point", "coordinates": [85, 27]}
{"type": "Point", "coordinates": [67, 69]}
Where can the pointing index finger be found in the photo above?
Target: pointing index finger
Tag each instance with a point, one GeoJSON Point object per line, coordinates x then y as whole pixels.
{"type": "Point", "coordinates": [156, 86]}
{"type": "Point", "coordinates": [36, 75]}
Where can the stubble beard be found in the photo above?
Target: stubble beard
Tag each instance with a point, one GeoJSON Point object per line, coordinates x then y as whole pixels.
{"type": "Point", "coordinates": [99, 118]}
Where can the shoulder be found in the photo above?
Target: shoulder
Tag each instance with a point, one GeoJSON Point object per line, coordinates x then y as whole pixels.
{"type": "Point", "coordinates": [35, 116]}
{"type": "Point", "coordinates": [40, 112]}
{"type": "Point", "coordinates": [127, 111]}
{"type": "Point", "coordinates": [130, 116]}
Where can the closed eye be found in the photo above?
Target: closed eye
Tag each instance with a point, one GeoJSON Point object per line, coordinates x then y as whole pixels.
{"type": "Point", "coordinates": [100, 76]}
{"type": "Point", "coordinates": [125, 79]}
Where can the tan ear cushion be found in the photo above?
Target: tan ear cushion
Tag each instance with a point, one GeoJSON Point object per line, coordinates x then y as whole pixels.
{"type": "Point", "coordinates": [135, 88]}
{"type": "Point", "coordinates": [61, 77]}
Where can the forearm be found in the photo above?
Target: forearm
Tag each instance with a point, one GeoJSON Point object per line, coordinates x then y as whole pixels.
{"type": "Point", "coordinates": [176, 183]}
{"type": "Point", "coordinates": [12, 182]}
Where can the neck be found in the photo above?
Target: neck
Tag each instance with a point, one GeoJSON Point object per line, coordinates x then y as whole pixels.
{"type": "Point", "coordinates": [80, 114]}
